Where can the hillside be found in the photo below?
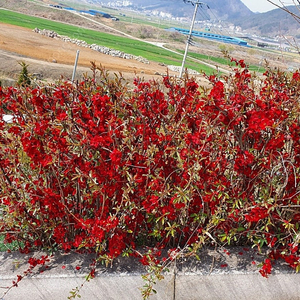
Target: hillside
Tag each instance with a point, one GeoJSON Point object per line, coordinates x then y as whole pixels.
{"type": "Point", "coordinates": [223, 10]}
{"type": "Point", "coordinates": [274, 22]}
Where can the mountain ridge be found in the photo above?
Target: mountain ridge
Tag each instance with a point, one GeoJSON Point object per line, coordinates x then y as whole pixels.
{"type": "Point", "coordinates": [232, 10]}
{"type": "Point", "coordinates": [272, 23]}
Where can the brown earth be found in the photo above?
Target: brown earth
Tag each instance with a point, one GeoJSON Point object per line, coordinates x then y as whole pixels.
{"type": "Point", "coordinates": [52, 58]}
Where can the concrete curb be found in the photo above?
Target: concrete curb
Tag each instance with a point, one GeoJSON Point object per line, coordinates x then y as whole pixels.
{"type": "Point", "coordinates": [216, 276]}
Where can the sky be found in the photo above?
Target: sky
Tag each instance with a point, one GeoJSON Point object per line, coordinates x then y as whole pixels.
{"type": "Point", "coordinates": [264, 5]}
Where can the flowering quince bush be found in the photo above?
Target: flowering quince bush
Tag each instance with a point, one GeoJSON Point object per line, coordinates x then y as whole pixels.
{"type": "Point", "coordinates": [98, 167]}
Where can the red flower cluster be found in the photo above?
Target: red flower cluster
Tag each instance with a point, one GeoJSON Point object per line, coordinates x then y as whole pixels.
{"type": "Point", "coordinates": [265, 271]}
{"type": "Point", "coordinates": [96, 167]}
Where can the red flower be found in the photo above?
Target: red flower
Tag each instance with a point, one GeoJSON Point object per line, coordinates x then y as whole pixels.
{"type": "Point", "coordinates": [116, 245]}
{"type": "Point", "coordinates": [92, 273]}
{"type": "Point", "coordinates": [144, 260]}
{"type": "Point", "coordinates": [116, 156]}
{"type": "Point", "coordinates": [266, 269]}
{"type": "Point", "coordinates": [256, 214]}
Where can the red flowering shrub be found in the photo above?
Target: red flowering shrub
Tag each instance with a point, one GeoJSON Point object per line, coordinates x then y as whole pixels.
{"type": "Point", "coordinates": [97, 167]}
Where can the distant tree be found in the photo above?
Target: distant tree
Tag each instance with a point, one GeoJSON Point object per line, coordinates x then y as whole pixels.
{"type": "Point", "coordinates": [146, 32]}
{"type": "Point", "coordinates": [24, 78]}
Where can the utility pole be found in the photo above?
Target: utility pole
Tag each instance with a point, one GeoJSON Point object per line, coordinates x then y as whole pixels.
{"type": "Point", "coordinates": [75, 66]}
{"type": "Point", "coordinates": [196, 4]}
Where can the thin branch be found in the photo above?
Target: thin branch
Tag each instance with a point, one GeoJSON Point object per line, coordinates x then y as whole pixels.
{"type": "Point", "coordinates": [296, 17]}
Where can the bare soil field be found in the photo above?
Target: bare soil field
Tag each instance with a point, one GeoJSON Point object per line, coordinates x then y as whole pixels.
{"type": "Point", "coordinates": [52, 58]}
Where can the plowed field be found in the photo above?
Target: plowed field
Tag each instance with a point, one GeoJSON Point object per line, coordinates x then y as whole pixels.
{"type": "Point", "coordinates": [52, 58]}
